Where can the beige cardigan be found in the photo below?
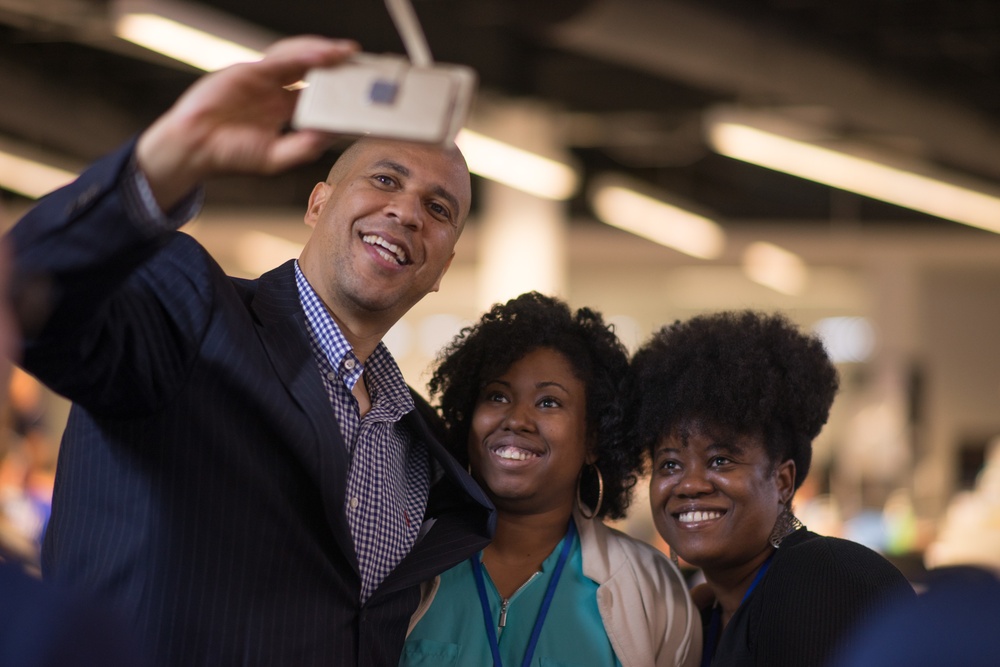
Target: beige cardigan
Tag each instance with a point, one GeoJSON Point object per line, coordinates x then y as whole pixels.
{"type": "Point", "coordinates": [644, 604]}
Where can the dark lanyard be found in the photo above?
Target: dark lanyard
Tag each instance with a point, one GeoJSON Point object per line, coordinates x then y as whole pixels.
{"type": "Point", "coordinates": [491, 630]}
{"type": "Point", "coordinates": [712, 639]}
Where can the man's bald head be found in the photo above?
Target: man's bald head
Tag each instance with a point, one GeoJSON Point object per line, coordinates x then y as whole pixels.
{"type": "Point", "coordinates": [364, 145]}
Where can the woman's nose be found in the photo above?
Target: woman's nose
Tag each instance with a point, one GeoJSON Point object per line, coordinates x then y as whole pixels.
{"type": "Point", "coordinates": [693, 482]}
{"type": "Point", "coordinates": [518, 417]}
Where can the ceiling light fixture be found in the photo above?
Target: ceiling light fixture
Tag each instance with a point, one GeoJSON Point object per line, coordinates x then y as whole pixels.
{"type": "Point", "coordinates": [643, 212]}
{"type": "Point", "coordinates": [22, 173]}
{"type": "Point", "coordinates": [517, 168]}
{"type": "Point", "coordinates": [767, 140]}
{"type": "Point", "coordinates": [198, 36]}
{"type": "Point", "coordinates": [775, 267]}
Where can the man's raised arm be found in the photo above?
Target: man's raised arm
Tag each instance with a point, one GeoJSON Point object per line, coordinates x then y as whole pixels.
{"type": "Point", "coordinates": [236, 121]}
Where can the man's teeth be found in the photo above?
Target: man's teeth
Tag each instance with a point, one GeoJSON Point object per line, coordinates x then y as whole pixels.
{"type": "Point", "coordinates": [395, 252]}
{"type": "Point", "coordinates": [514, 454]}
{"type": "Point", "coordinates": [692, 517]}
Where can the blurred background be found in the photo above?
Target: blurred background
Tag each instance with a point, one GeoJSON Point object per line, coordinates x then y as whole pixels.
{"type": "Point", "coordinates": [652, 159]}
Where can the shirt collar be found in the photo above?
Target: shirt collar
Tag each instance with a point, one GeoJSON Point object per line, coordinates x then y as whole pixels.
{"type": "Point", "coordinates": [385, 381]}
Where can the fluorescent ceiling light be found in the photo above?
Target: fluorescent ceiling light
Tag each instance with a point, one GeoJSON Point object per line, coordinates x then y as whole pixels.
{"type": "Point", "coordinates": [189, 33]}
{"type": "Point", "coordinates": [846, 339]}
{"type": "Point", "coordinates": [184, 43]}
{"type": "Point", "coordinates": [517, 168]}
{"type": "Point", "coordinates": [742, 137]}
{"type": "Point", "coordinates": [29, 177]}
{"type": "Point", "coordinates": [775, 267]}
{"type": "Point", "coordinates": [620, 203]}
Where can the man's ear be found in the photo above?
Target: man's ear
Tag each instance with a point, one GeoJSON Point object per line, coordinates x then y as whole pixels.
{"type": "Point", "coordinates": [437, 283]}
{"type": "Point", "coordinates": [316, 201]}
{"type": "Point", "coordinates": [785, 478]}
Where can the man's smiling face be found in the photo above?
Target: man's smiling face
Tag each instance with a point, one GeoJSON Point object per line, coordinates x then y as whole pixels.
{"type": "Point", "coordinates": [385, 226]}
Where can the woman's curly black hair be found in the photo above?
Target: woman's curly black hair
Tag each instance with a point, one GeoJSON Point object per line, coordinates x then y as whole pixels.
{"type": "Point", "coordinates": [507, 333]}
{"type": "Point", "coordinates": [745, 372]}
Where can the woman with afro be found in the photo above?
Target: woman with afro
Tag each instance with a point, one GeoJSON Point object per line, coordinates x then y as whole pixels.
{"type": "Point", "coordinates": [531, 395]}
{"type": "Point", "coordinates": [728, 406]}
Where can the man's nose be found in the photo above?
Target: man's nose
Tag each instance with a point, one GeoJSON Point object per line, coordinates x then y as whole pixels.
{"type": "Point", "coordinates": [406, 207]}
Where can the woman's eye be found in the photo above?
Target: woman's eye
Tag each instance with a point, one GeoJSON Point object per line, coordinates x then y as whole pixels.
{"type": "Point", "coordinates": [495, 397]}
{"type": "Point", "coordinates": [719, 461]}
{"type": "Point", "coordinates": [549, 402]}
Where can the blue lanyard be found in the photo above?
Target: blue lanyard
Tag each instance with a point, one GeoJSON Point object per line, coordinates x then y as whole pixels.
{"type": "Point", "coordinates": [491, 630]}
{"type": "Point", "coordinates": [712, 638]}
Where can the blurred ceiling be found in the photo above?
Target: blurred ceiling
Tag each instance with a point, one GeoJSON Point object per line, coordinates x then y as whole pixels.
{"type": "Point", "coordinates": [629, 80]}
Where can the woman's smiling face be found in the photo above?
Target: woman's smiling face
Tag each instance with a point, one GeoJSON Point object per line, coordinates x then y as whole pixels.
{"type": "Point", "coordinates": [528, 439]}
{"type": "Point", "coordinates": [715, 496]}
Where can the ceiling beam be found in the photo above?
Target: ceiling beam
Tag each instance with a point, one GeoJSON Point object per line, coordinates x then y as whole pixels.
{"type": "Point", "coordinates": [680, 41]}
{"type": "Point", "coordinates": [74, 121]}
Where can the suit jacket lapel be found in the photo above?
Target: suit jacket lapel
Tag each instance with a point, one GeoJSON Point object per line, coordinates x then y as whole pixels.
{"type": "Point", "coordinates": [281, 327]}
{"type": "Point", "coordinates": [464, 519]}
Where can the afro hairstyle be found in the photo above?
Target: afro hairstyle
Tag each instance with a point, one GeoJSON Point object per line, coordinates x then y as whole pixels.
{"type": "Point", "coordinates": [745, 372]}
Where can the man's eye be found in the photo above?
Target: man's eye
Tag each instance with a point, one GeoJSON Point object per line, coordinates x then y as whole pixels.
{"type": "Point", "coordinates": [385, 179]}
{"type": "Point", "coordinates": [440, 211]}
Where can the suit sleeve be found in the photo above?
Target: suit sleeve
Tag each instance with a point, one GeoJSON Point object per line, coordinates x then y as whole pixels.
{"type": "Point", "coordinates": [111, 310]}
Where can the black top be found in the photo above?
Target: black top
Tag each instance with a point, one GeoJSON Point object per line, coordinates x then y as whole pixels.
{"type": "Point", "coordinates": [814, 594]}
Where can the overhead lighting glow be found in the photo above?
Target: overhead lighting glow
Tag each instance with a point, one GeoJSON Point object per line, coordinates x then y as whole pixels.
{"type": "Point", "coordinates": [942, 197]}
{"type": "Point", "coordinates": [517, 168]}
{"type": "Point", "coordinates": [846, 339]}
{"type": "Point", "coordinates": [183, 42]}
{"type": "Point", "coordinates": [775, 267]}
{"type": "Point", "coordinates": [618, 203]}
{"type": "Point", "coordinates": [257, 252]}
{"type": "Point", "coordinates": [30, 178]}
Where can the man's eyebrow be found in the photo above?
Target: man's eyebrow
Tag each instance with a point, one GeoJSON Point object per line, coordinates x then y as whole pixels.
{"type": "Point", "coordinates": [392, 166]}
{"type": "Point", "coordinates": [439, 190]}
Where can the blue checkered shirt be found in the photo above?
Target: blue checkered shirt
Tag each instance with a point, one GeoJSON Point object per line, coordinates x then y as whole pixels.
{"type": "Point", "coordinates": [389, 479]}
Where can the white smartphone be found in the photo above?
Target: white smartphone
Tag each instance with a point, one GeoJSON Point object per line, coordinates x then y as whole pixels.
{"type": "Point", "coordinates": [387, 96]}
{"type": "Point", "coordinates": [390, 96]}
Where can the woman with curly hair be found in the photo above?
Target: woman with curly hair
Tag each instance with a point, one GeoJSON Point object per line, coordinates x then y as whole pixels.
{"type": "Point", "coordinates": [532, 402]}
{"type": "Point", "coordinates": [728, 405]}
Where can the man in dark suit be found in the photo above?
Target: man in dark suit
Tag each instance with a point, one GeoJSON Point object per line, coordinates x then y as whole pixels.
{"type": "Point", "coordinates": [244, 473]}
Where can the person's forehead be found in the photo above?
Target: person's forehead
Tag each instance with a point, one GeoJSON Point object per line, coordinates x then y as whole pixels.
{"type": "Point", "coordinates": [412, 155]}
{"type": "Point", "coordinates": [438, 165]}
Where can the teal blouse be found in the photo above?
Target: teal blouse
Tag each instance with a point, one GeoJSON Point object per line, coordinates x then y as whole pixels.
{"type": "Point", "coordinates": [453, 631]}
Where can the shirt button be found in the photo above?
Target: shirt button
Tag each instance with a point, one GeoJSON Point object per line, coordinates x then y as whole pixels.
{"type": "Point", "coordinates": [349, 364]}
{"type": "Point", "coordinates": [331, 376]}
{"type": "Point", "coordinates": [354, 502]}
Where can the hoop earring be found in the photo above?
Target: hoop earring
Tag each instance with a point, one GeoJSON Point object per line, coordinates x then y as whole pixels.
{"type": "Point", "coordinates": [786, 524]}
{"type": "Point", "coordinates": [585, 511]}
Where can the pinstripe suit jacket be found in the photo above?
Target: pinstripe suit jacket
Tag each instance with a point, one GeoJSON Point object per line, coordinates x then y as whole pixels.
{"type": "Point", "coordinates": [202, 475]}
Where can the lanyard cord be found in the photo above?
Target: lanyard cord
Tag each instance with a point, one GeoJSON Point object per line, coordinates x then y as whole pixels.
{"type": "Point", "coordinates": [712, 638]}
{"type": "Point", "coordinates": [491, 630]}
